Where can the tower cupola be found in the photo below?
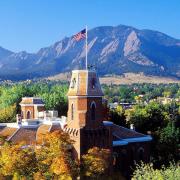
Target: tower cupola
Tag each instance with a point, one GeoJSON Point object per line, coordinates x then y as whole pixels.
{"type": "Point", "coordinates": [84, 83]}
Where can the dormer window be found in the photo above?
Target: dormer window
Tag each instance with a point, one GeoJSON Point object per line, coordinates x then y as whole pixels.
{"type": "Point", "coordinates": [73, 83]}
{"type": "Point", "coordinates": [93, 111]}
{"type": "Point", "coordinates": [93, 83]}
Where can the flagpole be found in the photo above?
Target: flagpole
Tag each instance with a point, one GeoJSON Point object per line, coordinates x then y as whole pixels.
{"type": "Point", "coordinates": [86, 48]}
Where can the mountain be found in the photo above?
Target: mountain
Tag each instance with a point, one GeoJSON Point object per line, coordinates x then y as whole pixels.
{"type": "Point", "coordinates": [113, 50]}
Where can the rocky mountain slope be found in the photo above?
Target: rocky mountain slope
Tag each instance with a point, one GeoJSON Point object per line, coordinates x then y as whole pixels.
{"type": "Point", "coordinates": [113, 50]}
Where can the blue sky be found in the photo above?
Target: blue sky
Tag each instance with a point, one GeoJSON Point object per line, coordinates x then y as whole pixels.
{"type": "Point", "coordinates": [32, 24]}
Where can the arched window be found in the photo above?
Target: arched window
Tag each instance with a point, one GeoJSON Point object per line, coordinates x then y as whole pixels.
{"type": "Point", "coordinates": [131, 157]}
{"type": "Point", "coordinates": [115, 156]}
{"type": "Point", "coordinates": [29, 115]}
{"type": "Point", "coordinates": [141, 154]}
{"type": "Point", "coordinates": [73, 82]}
{"type": "Point", "coordinates": [93, 83]}
{"type": "Point", "coordinates": [72, 111]}
{"type": "Point", "coordinates": [93, 111]}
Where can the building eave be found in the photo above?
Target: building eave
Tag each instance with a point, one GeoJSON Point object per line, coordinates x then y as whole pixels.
{"type": "Point", "coordinates": [126, 141]}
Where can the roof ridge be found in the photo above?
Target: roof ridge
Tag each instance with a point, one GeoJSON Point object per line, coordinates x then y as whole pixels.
{"type": "Point", "coordinates": [129, 129]}
{"type": "Point", "coordinates": [9, 138]}
{"type": "Point", "coordinates": [49, 130]}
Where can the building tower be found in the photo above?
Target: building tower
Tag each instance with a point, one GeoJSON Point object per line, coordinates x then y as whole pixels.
{"type": "Point", "coordinates": [30, 107]}
{"type": "Point", "coordinates": [86, 113]}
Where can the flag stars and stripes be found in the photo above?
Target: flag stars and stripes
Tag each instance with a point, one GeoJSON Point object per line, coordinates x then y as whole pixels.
{"type": "Point", "coordinates": [80, 35]}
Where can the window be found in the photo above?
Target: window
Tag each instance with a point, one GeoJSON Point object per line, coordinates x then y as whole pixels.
{"type": "Point", "coordinates": [93, 111]}
{"type": "Point", "coordinates": [93, 83]}
{"type": "Point", "coordinates": [141, 154]}
{"type": "Point", "coordinates": [29, 115]}
{"type": "Point", "coordinates": [72, 111]}
{"type": "Point", "coordinates": [115, 156]}
{"type": "Point", "coordinates": [73, 83]}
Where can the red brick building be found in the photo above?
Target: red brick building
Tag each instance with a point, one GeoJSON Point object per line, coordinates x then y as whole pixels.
{"type": "Point", "coordinates": [85, 123]}
{"type": "Point", "coordinates": [85, 113]}
{"type": "Point", "coordinates": [30, 107]}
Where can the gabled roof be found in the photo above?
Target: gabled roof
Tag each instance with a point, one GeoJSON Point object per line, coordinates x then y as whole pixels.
{"type": "Point", "coordinates": [27, 135]}
{"type": "Point", "coordinates": [123, 136]}
{"type": "Point", "coordinates": [31, 100]}
{"type": "Point", "coordinates": [123, 133]}
{"type": "Point", "coordinates": [7, 132]}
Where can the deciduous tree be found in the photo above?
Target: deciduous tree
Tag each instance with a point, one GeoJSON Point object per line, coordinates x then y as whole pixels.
{"type": "Point", "coordinates": [54, 156]}
{"type": "Point", "coordinates": [95, 162]}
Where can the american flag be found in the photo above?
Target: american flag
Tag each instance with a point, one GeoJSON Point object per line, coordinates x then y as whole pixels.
{"type": "Point", "coordinates": [80, 35]}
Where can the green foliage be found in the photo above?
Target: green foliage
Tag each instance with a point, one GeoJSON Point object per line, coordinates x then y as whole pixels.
{"type": "Point", "coordinates": [162, 121]}
{"type": "Point", "coordinates": [117, 116]}
{"type": "Point", "coordinates": [147, 172]}
{"type": "Point", "coordinates": [55, 99]}
{"type": "Point", "coordinates": [166, 145]}
{"type": "Point", "coordinates": [148, 118]}
{"type": "Point", "coordinates": [169, 134]}
{"type": "Point", "coordinates": [7, 114]}
{"type": "Point", "coordinates": [127, 93]}
{"type": "Point", "coordinates": [53, 94]}
{"type": "Point", "coordinates": [11, 95]}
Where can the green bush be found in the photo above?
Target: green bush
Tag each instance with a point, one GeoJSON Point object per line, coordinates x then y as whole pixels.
{"type": "Point", "coordinates": [147, 172]}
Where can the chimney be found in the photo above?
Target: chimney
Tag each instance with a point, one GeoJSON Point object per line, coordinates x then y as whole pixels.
{"type": "Point", "coordinates": [132, 127]}
{"type": "Point", "coordinates": [18, 119]}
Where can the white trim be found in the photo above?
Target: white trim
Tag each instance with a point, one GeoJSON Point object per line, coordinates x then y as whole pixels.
{"type": "Point", "coordinates": [78, 84]}
{"type": "Point", "coordinates": [108, 123]}
{"type": "Point", "coordinates": [139, 139]}
{"type": "Point", "coordinates": [76, 71]}
{"type": "Point", "coordinates": [83, 96]}
{"type": "Point", "coordinates": [119, 143]}
{"type": "Point", "coordinates": [86, 49]}
{"type": "Point", "coordinates": [12, 125]}
{"type": "Point", "coordinates": [87, 79]}
{"type": "Point", "coordinates": [92, 104]}
{"type": "Point", "coordinates": [32, 104]}
{"type": "Point", "coordinates": [31, 98]}
{"type": "Point", "coordinates": [126, 141]}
